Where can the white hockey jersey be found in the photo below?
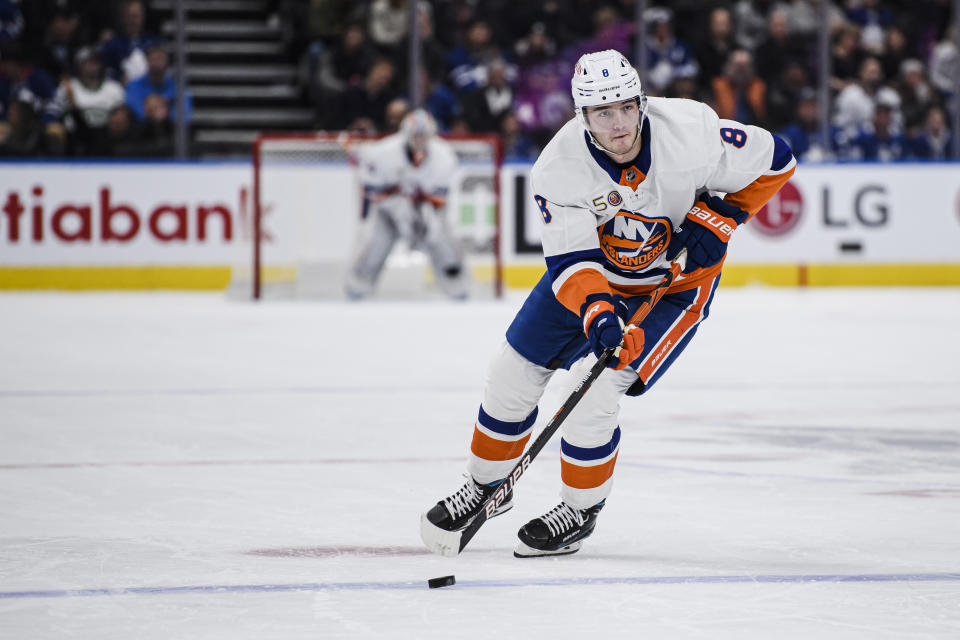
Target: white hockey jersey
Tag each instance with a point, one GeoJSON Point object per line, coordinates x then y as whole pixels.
{"type": "Point", "coordinates": [94, 105]}
{"type": "Point", "coordinates": [607, 225]}
{"type": "Point", "coordinates": [387, 169]}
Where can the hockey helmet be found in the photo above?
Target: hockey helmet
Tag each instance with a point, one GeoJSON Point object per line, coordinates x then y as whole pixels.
{"type": "Point", "coordinates": [417, 128]}
{"type": "Point", "coordinates": [602, 78]}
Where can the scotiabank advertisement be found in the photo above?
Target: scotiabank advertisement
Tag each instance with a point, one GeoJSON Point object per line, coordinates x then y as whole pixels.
{"type": "Point", "coordinates": [110, 214]}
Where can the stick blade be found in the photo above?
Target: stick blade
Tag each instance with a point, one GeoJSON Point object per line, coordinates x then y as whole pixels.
{"type": "Point", "coordinates": [439, 541]}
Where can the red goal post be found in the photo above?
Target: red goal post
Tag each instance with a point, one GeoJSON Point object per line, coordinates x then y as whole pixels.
{"type": "Point", "coordinates": [307, 198]}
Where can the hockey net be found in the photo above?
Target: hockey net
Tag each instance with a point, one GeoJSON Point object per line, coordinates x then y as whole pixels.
{"type": "Point", "coordinates": [307, 198]}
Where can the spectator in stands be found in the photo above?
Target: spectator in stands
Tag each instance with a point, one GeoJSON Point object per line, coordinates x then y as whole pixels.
{"type": "Point", "coordinates": [881, 139]}
{"type": "Point", "coordinates": [86, 101]}
{"type": "Point", "coordinates": [872, 17]}
{"type": "Point", "coordinates": [484, 107]}
{"type": "Point", "coordinates": [739, 94]}
{"type": "Point", "coordinates": [516, 145]}
{"type": "Point", "coordinates": [124, 55]}
{"type": "Point", "coordinates": [93, 23]}
{"type": "Point", "coordinates": [156, 130]}
{"type": "Point", "coordinates": [945, 62]}
{"type": "Point", "coordinates": [388, 25]}
{"type": "Point", "coordinates": [393, 114]}
{"type": "Point", "coordinates": [610, 31]}
{"type": "Point", "coordinates": [717, 46]}
{"type": "Point", "coordinates": [536, 47]}
{"type": "Point", "coordinates": [348, 63]}
{"type": "Point", "coordinates": [452, 20]}
{"type": "Point", "coordinates": [804, 134]}
{"type": "Point", "coordinates": [368, 102]}
{"type": "Point", "coordinates": [804, 19]}
{"type": "Point", "coordinates": [328, 19]}
{"type": "Point", "coordinates": [55, 52]}
{"type": "Point", "coordinates": [337, 68]}
{"type": "Point", "coordinates": [667, 57]}
{"type": "Point", "coordinates": [439, 100]}
{"type": "Point", "coordinates": [433, 55]}
{"type": "Point", "coordinates": [854, 105]}
{"type": "Point", "coordinates": [11, 20]}
{"type": "Point", "coordinates": [467, 63]}
{"type": "Point", "coordinates": [560, 20]}
{"type": "Point", "coordinates": [750, 19]}
{"type": "Point", "coordinates": [779, 49]}
{"type": "Point", "coordinates": [783, 93]}
{"type": "Point", "coordinates": [894, 52]}
{"type": "Point", "coordinates": [916, 93]}
{"type": "Point", "coordinates": [846, 57]}
{"type": "Point", "coordinates": [934, 142]}
{"type": "Point", "coordinates": [543, 102]}
{"type": "Point", "coordinates": [22, 134]}
{"type": "Point", "coordinates": [123, 139]}
{"type": "Point", "coordinates": [685, 88]}
{"type": "Point", "coordinates": [32, 89]}
{"type": "Point", "coordinates": [157, 82]}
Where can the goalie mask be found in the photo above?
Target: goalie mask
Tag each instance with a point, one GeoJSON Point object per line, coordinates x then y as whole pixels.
{"type": "Point", "coordinates": [417, 128]}
{"type": "Point", "coordinates": [603, 78]}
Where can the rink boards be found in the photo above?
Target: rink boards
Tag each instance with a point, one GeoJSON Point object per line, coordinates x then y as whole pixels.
{"type": "Point", "coordinates": [187, 225]}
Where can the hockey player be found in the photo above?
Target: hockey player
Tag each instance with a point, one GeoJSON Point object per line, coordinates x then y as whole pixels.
{"type": "Point", "coordinates": [622, 189]}
{"type": "Point", "coordinates": [405, 183]}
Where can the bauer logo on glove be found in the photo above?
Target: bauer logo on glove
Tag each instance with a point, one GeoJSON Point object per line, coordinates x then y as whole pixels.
{"type": "Point", "coordinates": [720, 225]}
{"type": "Point", "coordinates": [706, 231]}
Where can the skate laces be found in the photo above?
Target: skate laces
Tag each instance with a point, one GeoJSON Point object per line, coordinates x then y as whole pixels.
{"type": "Point", "coordinates": [466, 498]}
{"type": "Point", "coordinates": [561, 518]}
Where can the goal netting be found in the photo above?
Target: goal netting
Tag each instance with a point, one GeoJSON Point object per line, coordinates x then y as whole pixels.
{"type": "Point", "coordinates": [307, 198]}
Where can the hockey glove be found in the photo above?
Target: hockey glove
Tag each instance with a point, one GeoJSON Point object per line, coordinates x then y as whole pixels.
{"type": "Point", "coordinates": [604, 329]}
{"type": "Point", "coordinates": [705, 232]}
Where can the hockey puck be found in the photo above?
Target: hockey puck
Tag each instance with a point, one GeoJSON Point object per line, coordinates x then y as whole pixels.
{"type": "Point", "coordinates": [442, 581]}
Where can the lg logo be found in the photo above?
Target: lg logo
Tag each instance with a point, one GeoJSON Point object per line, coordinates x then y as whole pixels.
{"type": "Point", "coordinates": [781, 214]}
{"type": "Point", "coordinates": [868, 208]}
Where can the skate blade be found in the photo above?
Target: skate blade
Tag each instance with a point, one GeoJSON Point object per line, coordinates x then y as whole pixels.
{"type": "Point", "coordinates": [439, 541]}
{"type": "Point", "coordinates": [524, 551]}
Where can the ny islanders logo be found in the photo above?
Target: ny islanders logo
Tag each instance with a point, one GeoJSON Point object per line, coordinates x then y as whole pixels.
{"type": "Point", "coordinates": [632, 241]}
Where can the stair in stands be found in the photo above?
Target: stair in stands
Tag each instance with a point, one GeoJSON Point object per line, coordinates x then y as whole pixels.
{"type": "Point", "coordinates": [240, 71]}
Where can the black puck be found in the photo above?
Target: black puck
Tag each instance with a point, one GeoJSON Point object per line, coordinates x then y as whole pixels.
{"type": "Point", "coordinates": [442, 581]}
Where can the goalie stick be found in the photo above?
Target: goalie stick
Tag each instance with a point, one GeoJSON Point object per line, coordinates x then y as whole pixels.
{"type": "Point", "coordinates": [451, 543]}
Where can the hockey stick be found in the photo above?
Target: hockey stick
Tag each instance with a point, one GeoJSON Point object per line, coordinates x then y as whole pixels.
{"type": "Point", "coordinates": [451, 543]}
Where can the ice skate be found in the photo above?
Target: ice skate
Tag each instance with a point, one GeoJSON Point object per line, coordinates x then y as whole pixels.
{"type": "Point", "coordinates": [455, 512]}
{"type": "Point", "coordinates": [558, 532]}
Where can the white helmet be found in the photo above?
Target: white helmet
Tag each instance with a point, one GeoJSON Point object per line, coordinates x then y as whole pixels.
{"type": "Point", "coordinates": [605, 77]}
{"type": "Point", "coordinates": [417, 128]}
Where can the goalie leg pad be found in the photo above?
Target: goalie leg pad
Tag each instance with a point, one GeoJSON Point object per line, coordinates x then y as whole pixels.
{"type": "Point", "coordinates": [445, 255]}
{"type": "Point", "coordinates": [377, 237]}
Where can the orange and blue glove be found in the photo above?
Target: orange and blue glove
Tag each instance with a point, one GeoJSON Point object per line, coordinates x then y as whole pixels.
{"type": "Point", "coordinates": [603, 323]}
{"type": "Point", "coordinates": [706, 231]}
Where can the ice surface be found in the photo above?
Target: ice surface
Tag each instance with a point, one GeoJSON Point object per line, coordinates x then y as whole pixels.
{"type": "Point", "coordinates": [181, 466]}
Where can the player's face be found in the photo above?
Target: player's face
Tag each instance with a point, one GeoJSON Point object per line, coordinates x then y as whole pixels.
{"type": "Point", "coordinates": [615, 125]}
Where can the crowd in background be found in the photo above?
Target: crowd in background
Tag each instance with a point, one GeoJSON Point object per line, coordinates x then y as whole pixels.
{"type": "Point", "coordinates": [84, 78]}
{"type": "Point", "coordinates": [97, 81]}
